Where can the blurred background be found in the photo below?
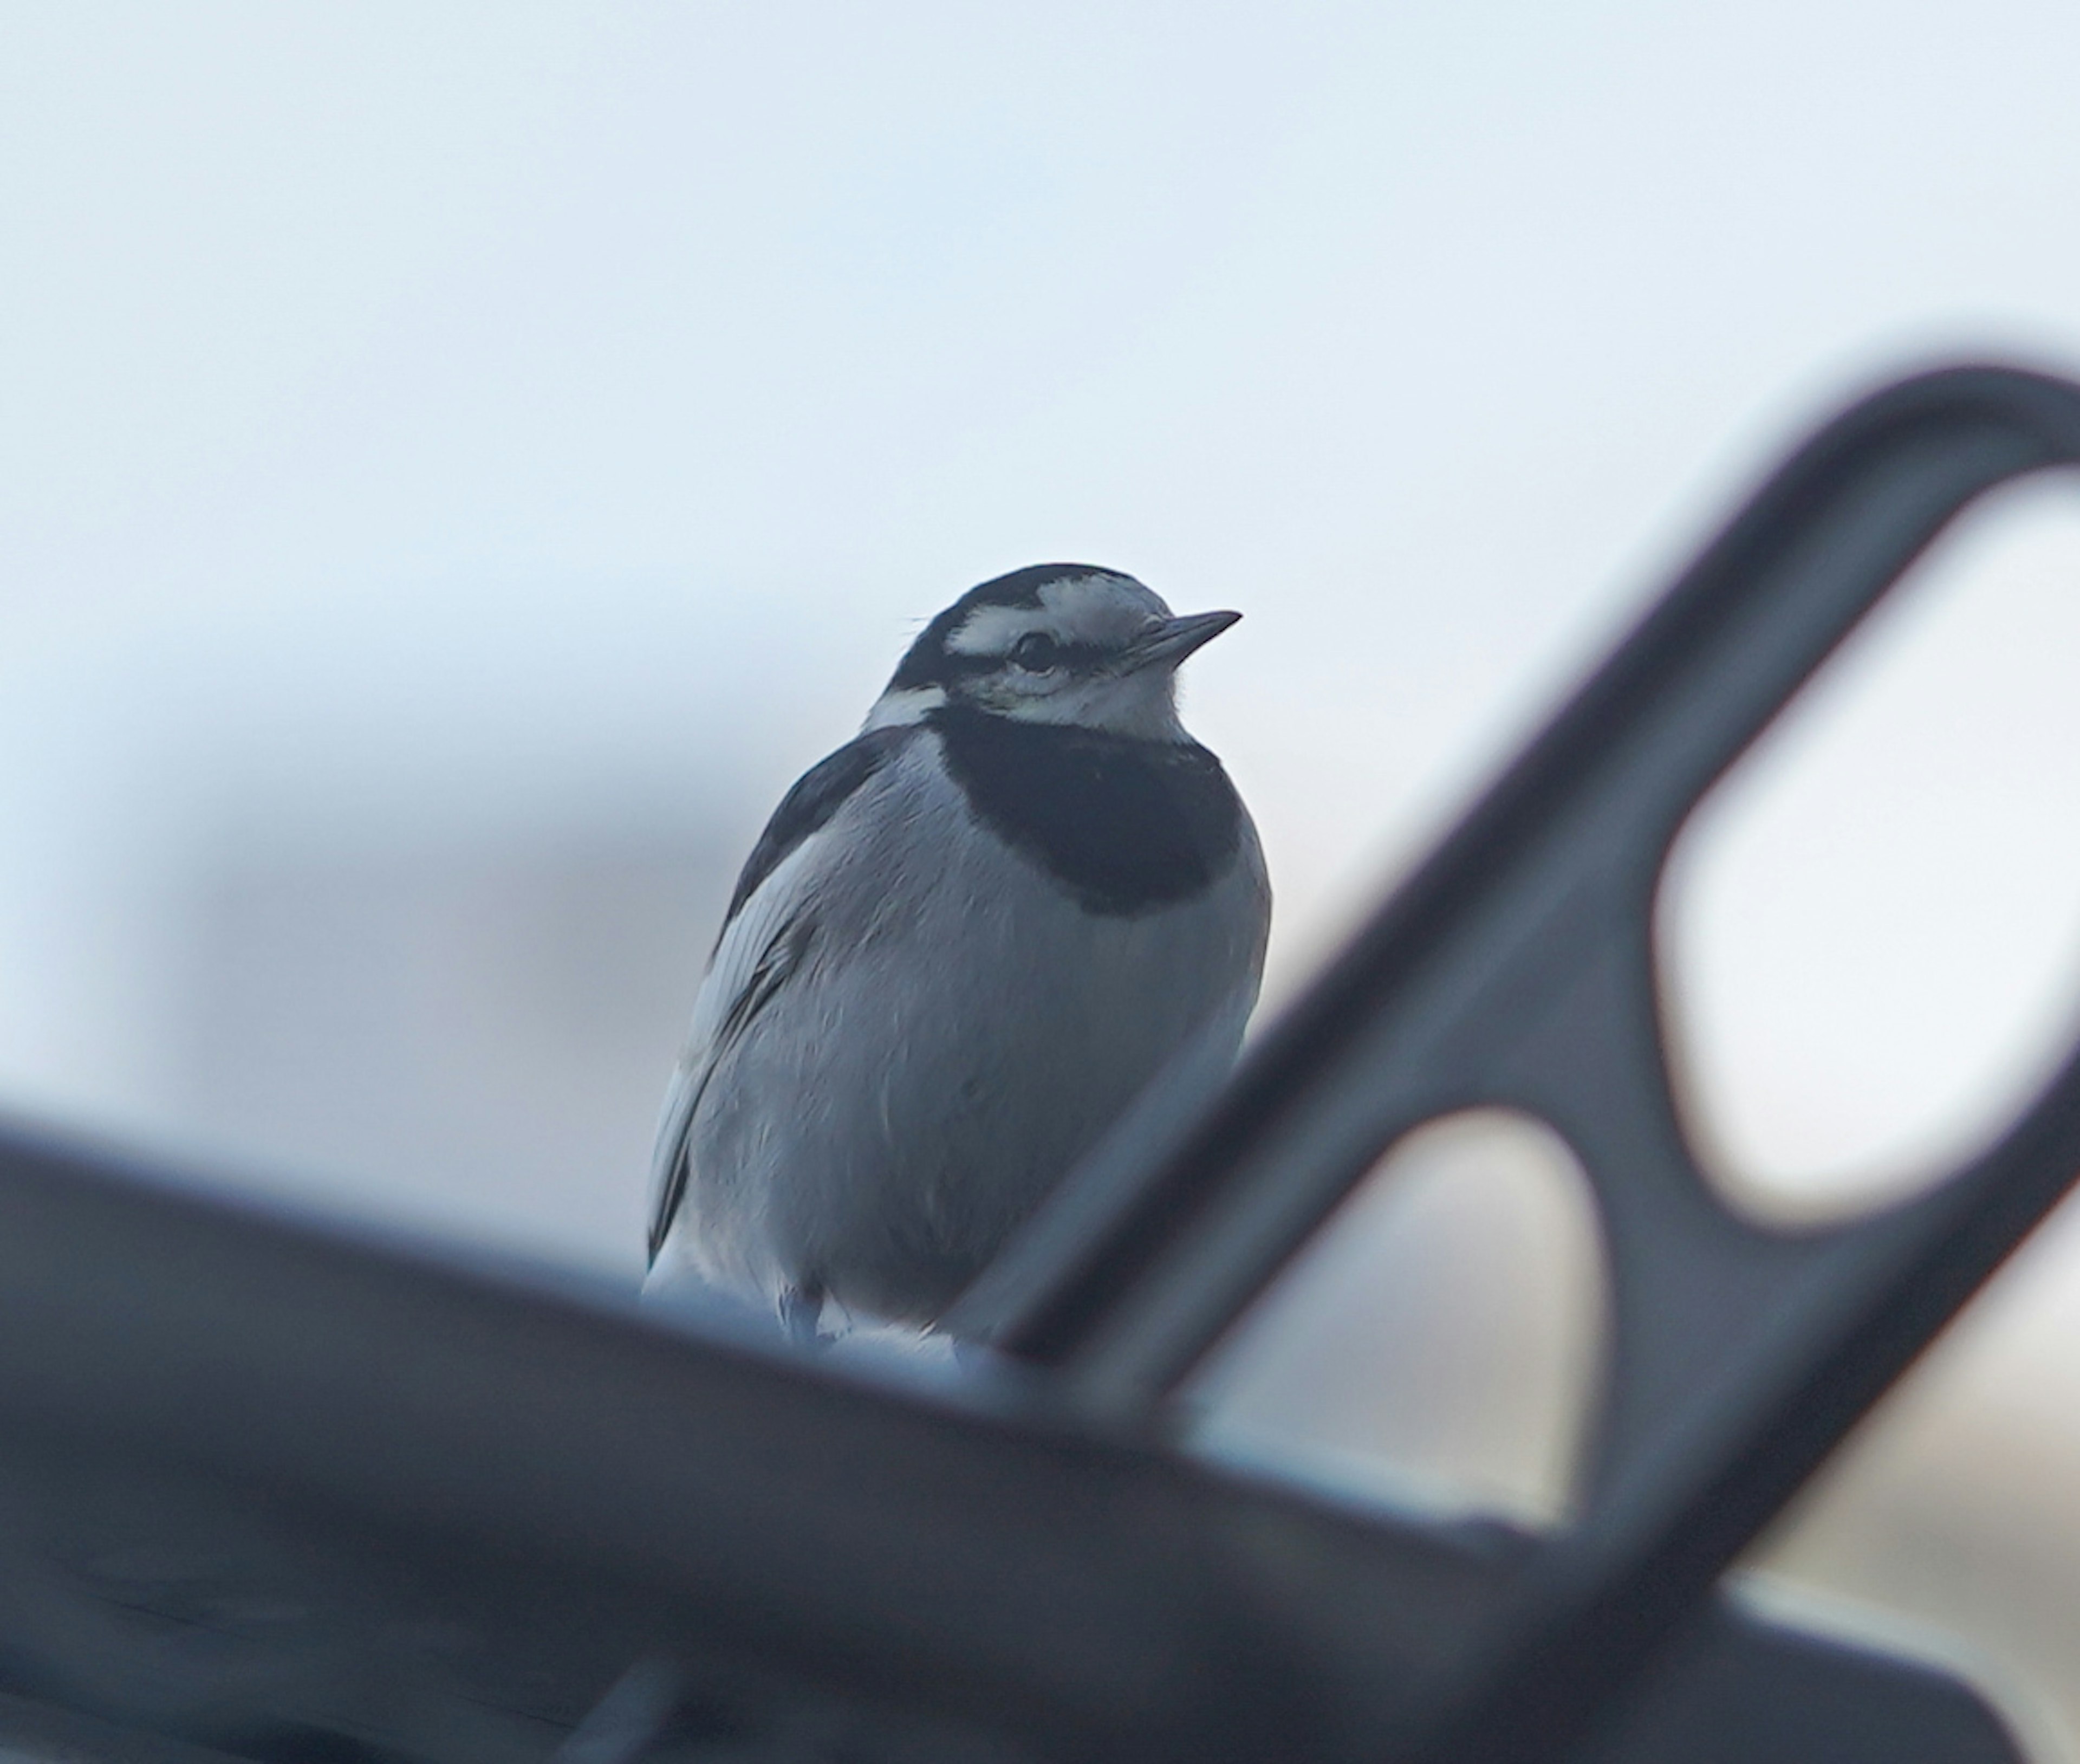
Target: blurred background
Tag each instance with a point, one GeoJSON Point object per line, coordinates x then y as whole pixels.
{"type": "Point", "coordinates": [461, 463]}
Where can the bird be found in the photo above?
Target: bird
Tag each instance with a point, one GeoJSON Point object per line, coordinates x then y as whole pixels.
{"type": "Point", "coordinates": [963, 944]}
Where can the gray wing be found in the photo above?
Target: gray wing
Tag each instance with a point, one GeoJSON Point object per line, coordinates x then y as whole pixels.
{"type": "Point", "coordinates": [752, 963]}
{"type": "Point", "coordinates": [766, 939]}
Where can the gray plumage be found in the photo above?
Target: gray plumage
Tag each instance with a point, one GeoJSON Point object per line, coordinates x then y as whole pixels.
{"type": "Point", "coordinates": [964, 944]}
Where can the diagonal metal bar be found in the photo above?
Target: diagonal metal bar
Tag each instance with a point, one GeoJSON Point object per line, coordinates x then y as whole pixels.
{"type": "Point", "coordinates": [1516, 968]}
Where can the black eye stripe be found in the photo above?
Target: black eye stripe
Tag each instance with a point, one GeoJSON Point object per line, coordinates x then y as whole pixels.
{"type": "Point", "coordinates": [954, 664]}
{"type": "Point", "coordinates": [1075, 657]}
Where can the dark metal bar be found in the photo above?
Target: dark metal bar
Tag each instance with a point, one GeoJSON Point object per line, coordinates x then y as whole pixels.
{"type": "Point", "coordinates": [1516, 969]}
{"type": "Point", "coordinates": [271, 1493]}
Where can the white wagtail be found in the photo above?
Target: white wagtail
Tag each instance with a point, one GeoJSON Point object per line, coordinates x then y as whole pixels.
{"type": "Point", "coordinates": [962, 945]}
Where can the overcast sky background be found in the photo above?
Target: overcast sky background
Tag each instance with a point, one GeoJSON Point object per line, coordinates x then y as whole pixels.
{"type": "Point", "coordinates": [466, 429]}
{"type": "Point", "coordinates": [420, 413]}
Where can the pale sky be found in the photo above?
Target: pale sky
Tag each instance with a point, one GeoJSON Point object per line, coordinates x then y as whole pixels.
{"type": "Point", "coordinates": [426, 405]}
{"type": "Point", "coordinates": [522, 414]}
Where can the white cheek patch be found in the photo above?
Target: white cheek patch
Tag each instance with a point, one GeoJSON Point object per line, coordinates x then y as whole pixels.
{"type": "Point", "coordinates": [899, 710]}
{"type": "Point", "coordinates": [1137, 704]}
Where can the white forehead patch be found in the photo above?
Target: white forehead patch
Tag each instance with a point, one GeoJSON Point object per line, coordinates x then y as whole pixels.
{"type": "Point", "coordinates": [1103, 612]}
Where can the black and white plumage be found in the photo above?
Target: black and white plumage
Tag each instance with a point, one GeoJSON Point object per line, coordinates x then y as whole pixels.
{"type": "Point", "coordinates": [964, 943]}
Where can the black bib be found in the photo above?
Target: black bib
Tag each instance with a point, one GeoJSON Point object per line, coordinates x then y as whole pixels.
{"type": "Point", "coordinates": [1124, 825]}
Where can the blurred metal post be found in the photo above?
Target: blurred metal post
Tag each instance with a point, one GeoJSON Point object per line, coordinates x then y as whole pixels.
{"type": "Point", "coordinates": [1516, 969]}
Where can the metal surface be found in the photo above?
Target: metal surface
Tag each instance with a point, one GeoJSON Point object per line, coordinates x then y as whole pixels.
{"type": "Point", "coordinates": [282, 1495]}
{"type": "Point", "coordinates": [274, 1492]}
{"type": "Point", "coordinates": [1516, 969]}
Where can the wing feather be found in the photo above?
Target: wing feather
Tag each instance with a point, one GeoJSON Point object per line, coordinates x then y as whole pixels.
{"type": "Point", "coordinates": [765, 937]}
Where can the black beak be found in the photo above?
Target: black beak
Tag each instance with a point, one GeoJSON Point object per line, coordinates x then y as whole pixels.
{"type": "Point", "coordinates": [1170, 642]}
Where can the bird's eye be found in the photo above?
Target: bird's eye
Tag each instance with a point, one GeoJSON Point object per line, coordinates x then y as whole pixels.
{"type": "Point", "coordinates": [1036, 652]}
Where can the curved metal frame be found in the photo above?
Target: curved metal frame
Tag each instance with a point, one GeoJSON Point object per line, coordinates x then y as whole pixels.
{"type": "Point", "coordinates": [1516, 969]}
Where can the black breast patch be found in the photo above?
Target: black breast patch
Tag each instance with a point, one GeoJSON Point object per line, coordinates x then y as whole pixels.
{"type": "Point", "coordinates": [1125, 826]}
{"type": "Point", "coordinates": [817, 795]}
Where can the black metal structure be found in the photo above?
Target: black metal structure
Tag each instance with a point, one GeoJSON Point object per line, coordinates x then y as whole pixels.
{"type": "Point", "coordinates": [273, 1492]}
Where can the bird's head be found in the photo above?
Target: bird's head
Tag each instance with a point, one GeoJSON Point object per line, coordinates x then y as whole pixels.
{"type": "Point", "coordinates": [1056, 643]}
